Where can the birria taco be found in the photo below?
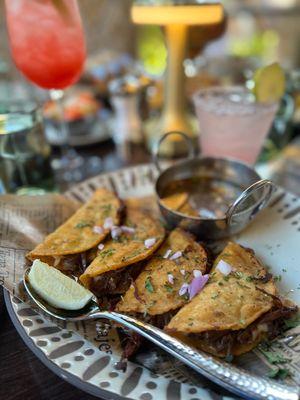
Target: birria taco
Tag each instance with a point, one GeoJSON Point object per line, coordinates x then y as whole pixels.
{"type": "Point", "coordinates": [237, 309]}
{"type": "Point", "coordinates": [67, 246]}
{"type": "Point", "coordinates": [117, 261]}
{"type": "Point", "coordinates": [162, 287]}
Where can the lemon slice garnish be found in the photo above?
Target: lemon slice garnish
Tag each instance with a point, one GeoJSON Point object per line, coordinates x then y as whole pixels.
{"type": "Point", "coordinates": [57, 289]}
{"type": "Point", "coordinates": [269, 83]}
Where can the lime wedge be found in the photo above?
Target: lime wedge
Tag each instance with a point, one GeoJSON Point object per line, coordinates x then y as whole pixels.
{"type": "Point", "coordinates": [56, 288]}
{"type": "Point", "coordinates": [269, 83]}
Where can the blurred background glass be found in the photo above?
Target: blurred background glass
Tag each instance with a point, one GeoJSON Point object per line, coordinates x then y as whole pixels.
{"type": "Point", "coordinates": [24, 153]}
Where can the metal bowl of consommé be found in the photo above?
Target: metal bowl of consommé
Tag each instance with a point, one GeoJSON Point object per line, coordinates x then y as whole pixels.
{"type": "Point", "coordinates": [211, 197]}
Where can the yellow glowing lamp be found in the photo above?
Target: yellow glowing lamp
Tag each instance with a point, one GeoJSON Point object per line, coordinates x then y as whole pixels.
{"type": "Point", "coordinates": [175, 16]}
{"type": "Point", "coordinates": [197, 14]}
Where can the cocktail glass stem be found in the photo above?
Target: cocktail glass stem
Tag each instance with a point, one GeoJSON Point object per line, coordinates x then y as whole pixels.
{"type": "Point", "coordinates": [70, 159]}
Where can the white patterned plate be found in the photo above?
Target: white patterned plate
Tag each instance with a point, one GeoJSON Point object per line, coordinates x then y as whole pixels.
{"type": "Point", "coordinates": [85, 355]}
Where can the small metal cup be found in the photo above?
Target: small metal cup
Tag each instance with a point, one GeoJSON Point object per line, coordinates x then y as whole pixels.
{"type": "Point", "coordinates": [254, 197]}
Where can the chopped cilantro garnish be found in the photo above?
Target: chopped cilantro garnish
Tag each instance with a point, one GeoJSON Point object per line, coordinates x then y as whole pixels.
{"type": "Point", "coordinates": [277, 278]}
{"type": "Point", "coordinates": [82, 224]}
{"type": "Point", "coordinates": [226, 278]}
{"type": "Point", "coordinates": [249, 278]}
{"type": "Point", "coordinates": [243, 286]}
{"type": "Point", "coordinates": [214, 296]}
{"type": "Point", "coordinates": [220, 283]}
{"type": "Point", "coordinates": [284, 270]}
{"type": "Point", "coordinates": [168, 288]}
{"type": "Point", "coordinates": [147, 306]}
{"type": "Point", "coordinates": [107, 253]}
{"type": "Point", "coordinates": [225, 255]}
{"type": "Point", "coordinates": [278, 373]}
{"type": "Point", "coordinates": [132, 255]}
{"type": "Point", "coordinates": [238, 274]}
{"type": "Point", "coordinates": [148, 285]}
{"type": "Point", "coordinates": [185, 296]}
{"type": "Point", "coordinates": [273, 357]}
{"type": "Point", "coordinates": [106, 210]}
{"type": "Point", "coordinates": [292, 322]}
{"type": "Point", "coordinates": [186, 275]}
{"type": "Point", "coordinates": [190, 323]}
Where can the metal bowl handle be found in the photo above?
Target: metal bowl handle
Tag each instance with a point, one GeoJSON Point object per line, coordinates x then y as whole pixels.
{"type": "Point", "coordinates": [264, 183]}
{"type": "Point", "coordinates": [187, 139]}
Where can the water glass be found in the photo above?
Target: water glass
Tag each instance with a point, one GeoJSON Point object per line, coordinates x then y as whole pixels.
{"type": "Point", "coordinates": [24, 152]}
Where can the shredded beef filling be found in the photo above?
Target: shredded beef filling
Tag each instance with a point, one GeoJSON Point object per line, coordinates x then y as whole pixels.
{"type": "Point", "coordinates": [160, 320]}
{"type": "Point", "coordinates": [131, 342]}
{"type": "Point", "coordinates": [114, 282]}
{"type": "Point", "coordinates": [269, 324]}
{"type": "Point", "coordinates": [72, 265]}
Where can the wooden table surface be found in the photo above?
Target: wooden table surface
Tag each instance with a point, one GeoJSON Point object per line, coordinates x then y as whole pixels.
{"type": "Point", "coordinates": [22, 374]}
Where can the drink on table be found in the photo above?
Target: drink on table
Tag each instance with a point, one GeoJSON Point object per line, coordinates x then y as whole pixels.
{"type": "Point", "coordinates": [46, 40]}
{"type": "Point", "coordinates": [24, 152]}
{"type": "Point", "coordinates": [232, 124]}
{"type": "Point", "coordinates": [48, 47]}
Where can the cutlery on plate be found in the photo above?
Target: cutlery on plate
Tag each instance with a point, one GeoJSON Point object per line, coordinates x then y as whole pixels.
{"type": "Point", "coordinates": [226, 375]}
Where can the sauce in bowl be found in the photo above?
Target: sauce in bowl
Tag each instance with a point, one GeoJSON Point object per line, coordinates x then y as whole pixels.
{"type": "Point", "coordinates": [200, 196]}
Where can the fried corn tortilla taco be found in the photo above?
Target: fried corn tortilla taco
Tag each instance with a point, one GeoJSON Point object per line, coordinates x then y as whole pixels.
{"type": "Point", "coordinates": [157, 290]}
{"type": "Point", "coordinates": [67, 245]}
{"type": "Point", "coordinates": [175, 201]}
{"type": "Point", "coordinates": [187, 209]}
{"type": "Point", "coordinates": [179, 202]}
{"type": "Point", "coordinates": [238, 308]}
{"type": "Point", "coordinates": [137, 239]}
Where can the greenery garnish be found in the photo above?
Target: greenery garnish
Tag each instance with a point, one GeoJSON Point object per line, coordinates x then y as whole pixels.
{"type": "Point", "coordinates": [238, 274]}
{"type": "Point", "coordinates": [107, 253]}
{"type": "Point", "coordinates": [82, 224]}
{"type": "Point", "coordinates": [272, 357]}
{"type": "Point", "coordinates": [148, 285]}
{"type": "Point", "coordinates": [168, 288]}
{"type": "Point", "coordinates": [278, 373]}
{"type": "Point", "coordinates": [106, 210]}
{"type": "Point", "coordinates": [292, 322]}
{"type": "Point", "coordinates": [132, 255]}
{"type": "Point", "coordinates": [243, 286]}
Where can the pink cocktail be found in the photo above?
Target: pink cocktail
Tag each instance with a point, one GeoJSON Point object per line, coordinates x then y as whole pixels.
{"type": "Point", "coordinates": [48, 47]}
{"type": "Point", "coordinates": [231, 123]}
{"type": "Point", "coordinates": [47, 40]}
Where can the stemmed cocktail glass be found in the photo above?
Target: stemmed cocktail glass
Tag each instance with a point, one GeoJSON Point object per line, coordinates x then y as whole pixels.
{"type": "Point", "coordinates": [48, 47]}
